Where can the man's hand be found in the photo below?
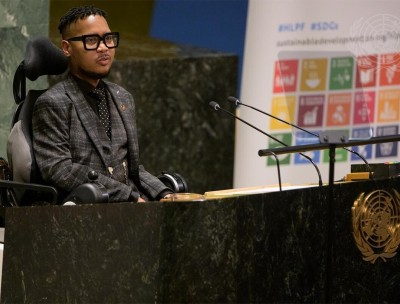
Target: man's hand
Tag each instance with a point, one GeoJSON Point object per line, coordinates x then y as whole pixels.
{"type": "Point", "coordinates": [167, 198]}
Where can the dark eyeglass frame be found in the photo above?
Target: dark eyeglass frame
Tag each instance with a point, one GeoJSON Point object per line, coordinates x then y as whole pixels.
{"type": "Point", "coordinates": [83, 39]}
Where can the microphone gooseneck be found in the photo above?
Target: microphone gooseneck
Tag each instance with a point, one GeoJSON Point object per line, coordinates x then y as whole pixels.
{"type": "Point", "coordinates": [363, 159]}
{"type": "Point", "coordinates": [217, 107]}
{"type": "Point", "coordinates": [237, 102]}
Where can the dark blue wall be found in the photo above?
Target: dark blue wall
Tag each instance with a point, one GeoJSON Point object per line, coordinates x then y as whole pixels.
{"type": "Point", "coordinates": [213, 24]}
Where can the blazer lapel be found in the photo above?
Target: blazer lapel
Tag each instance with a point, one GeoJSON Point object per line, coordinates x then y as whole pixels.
{"type": "Point", "coordinates": [122, 102]}
{"type": "Point", "coordinates": [86, 115]}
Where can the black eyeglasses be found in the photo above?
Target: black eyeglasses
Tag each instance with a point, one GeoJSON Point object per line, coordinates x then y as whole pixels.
{"type": "Point", "coordinates": [92, 42]}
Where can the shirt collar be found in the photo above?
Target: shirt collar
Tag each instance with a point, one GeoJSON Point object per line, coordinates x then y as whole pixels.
{"type": "Point", "coordinates": [85, 86]}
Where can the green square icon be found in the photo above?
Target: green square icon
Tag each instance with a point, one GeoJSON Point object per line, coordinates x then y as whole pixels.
{"type": "Point", "coordinates": [341, 73]}
{"type": "Point", "coordinates": [341, 155]}
{"type": "Point", "coordinates": [284, 159]}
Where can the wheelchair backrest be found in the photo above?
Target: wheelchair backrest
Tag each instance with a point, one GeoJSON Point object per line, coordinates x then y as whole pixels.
{"type": "Point", "coordinates": [42, 57]}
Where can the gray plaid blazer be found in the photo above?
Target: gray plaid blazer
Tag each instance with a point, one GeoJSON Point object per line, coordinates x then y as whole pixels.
{"type": "Point", "coordinates": [67, 143]}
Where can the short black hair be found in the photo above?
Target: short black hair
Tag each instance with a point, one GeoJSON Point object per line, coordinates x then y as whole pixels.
{"type": "Point", "coordinates": [76, 13]}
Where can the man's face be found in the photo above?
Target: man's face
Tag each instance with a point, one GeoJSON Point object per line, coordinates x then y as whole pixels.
{"type": "Point", "coordinates": [91, 65]}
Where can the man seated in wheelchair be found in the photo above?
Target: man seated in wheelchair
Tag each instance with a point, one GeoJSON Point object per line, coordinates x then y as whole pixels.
{"type": "Point", "coordinates": [87, 123]}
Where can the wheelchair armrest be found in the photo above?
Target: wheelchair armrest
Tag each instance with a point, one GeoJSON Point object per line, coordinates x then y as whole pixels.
{"type": "Point", "coordinates": [89, 193]}
{"type": "Point", "coordinates": [35, 187]}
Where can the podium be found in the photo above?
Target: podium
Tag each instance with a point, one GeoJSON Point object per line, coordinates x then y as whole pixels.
{"type": "Point", "coordinates": [269, 247]}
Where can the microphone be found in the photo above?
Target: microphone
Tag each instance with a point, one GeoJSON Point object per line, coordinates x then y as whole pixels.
{"type": "Point", "coordinates": [237, 102]}
{"type": "Point", "coordinates": [217, 107]}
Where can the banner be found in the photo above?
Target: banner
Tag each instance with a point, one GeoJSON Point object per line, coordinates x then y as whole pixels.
{"type": "Point", "coordinates": [322, 66]}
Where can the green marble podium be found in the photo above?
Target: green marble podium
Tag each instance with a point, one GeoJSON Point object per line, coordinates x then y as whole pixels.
{"type": "Point", "coordinates": [265, 248]}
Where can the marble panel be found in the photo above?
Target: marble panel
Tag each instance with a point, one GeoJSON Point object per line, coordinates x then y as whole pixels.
{"type": "Point", "coordinates": [17, 25]}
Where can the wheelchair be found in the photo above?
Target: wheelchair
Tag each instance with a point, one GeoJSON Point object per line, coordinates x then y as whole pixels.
{"type": "Point", "coordinates": [20, 180]}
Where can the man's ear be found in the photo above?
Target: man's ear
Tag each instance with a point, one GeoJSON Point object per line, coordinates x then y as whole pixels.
{"type": "Point", "coordinates": [66, 48]}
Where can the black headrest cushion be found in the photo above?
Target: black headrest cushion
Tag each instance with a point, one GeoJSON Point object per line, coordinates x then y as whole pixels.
{"type": "Point", "coordinates": [42, 57]}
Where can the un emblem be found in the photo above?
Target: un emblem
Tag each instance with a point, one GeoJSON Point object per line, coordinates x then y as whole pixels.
{"type": "Point", "coordinates": [376, 224]}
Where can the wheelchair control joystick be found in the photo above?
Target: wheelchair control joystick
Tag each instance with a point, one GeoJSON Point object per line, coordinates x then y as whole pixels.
{"type": "Point", "coordinates": [89, 193]}
{"type": "Point", "coordinates": [93, 175]}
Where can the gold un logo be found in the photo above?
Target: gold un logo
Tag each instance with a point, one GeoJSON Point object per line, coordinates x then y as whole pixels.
{"type": "Point", "coordinates": [376, 224]}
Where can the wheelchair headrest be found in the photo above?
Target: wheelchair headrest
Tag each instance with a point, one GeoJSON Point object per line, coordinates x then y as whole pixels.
{"type": "Point", "coordinates": [42, 57]}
